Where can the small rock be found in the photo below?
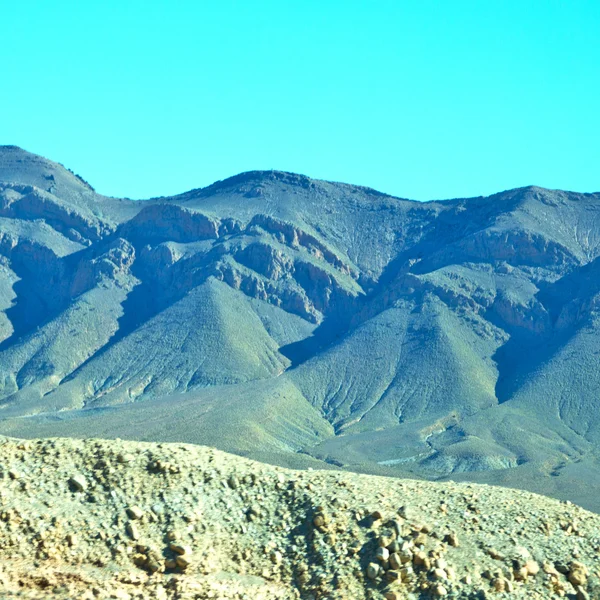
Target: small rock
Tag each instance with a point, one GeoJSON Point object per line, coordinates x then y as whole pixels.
{"type": "Point", "coordinates": [522, 553]}
{"type": "Point", "coordinates": [132, 530]}
{"type": "Point", "coordinates": [253, 512]}
{"type": "Point", "coordinates": [395, 561]}
{"type": "Point", "coordinates": [319, 521]}
{"type": "Point", "coordinates": [495, 554]}
{"type": "Point", "coordinates": [135, 512]}
{"type": "Point", "coordinates": [439, 590]}
{"type": "Point", "coordinates": [393, 575]}
{"type": "Point", "coordinates": [582, 594]}
{"type": "Point", "coordinates": [521, 574]}
{"type": "Point", "coordinates": [383, 554]}
{"type": "Point", "coordinates": [183, 562]}
{"type": "Point", "coordinates": [78, 482]}
{"type": "Point", "coordinates": [158, 509]}
{"type": "Point", "coordinates": [577, 577]}
{"type": "Point", "coordinates": [550, 569]}
{"type": "Point", "coordinates": [153, 566]}
{"type": "Point", "coordinates": [372, 570]}
{"type": "Point", "coordinates": [532, 567]}
{"type": "Point", "coordinates": [179, 549]}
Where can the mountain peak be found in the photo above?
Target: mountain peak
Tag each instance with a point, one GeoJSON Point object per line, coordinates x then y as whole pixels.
{"type": "Point", "coordinates": [251, 182]}
{"type": "Point", "coordinates": [18, 166]}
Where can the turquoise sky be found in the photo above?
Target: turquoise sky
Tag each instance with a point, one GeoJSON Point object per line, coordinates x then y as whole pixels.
{"type": "Point", "coordinates": [420, 99]}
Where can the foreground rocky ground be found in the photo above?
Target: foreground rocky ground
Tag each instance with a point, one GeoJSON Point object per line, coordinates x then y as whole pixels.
{"type": "Point", "coordinates": [113, 519]}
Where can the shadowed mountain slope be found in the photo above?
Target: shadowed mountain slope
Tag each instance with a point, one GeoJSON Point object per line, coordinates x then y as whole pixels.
{"type": "Point", "coordinates": [299, 321]}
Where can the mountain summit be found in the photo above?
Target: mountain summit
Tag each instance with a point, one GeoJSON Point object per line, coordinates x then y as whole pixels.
{"type": "Point", "coordinates": [305, 322]}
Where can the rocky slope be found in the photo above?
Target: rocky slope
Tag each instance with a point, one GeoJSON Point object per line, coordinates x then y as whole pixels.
{"type": "Point", "coordinates": [113, 519]}
{"type": "Point", "coordinates": [308, 322]}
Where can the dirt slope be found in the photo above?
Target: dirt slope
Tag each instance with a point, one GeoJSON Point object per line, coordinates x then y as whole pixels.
{"type": "Point", "coordinates": [113, 519]}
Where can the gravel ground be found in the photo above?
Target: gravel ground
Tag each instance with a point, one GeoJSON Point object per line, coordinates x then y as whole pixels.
{"type": "Point", "coordinates": [111, 519]}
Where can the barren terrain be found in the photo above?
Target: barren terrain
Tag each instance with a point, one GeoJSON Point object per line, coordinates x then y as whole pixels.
{"type": "Point", "coordinates": [112, 519]}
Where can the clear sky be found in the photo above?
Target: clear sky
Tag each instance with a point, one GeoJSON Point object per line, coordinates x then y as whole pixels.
{"type": "Point", "coordinates": [417, 98]}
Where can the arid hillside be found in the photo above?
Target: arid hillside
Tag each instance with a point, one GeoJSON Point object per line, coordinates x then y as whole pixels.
{"type": "Point", "coordinates": [126, 520]}
{"type": "Point", "coordinates": [305, 322]}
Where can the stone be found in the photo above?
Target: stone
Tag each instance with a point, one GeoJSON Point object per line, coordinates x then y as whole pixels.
{"type": "Point", "coordinates": [577, 577]}
{"type": "Point", "coordinates": [158, 509]}
{"type": "Point", "coordinates": [522, 553]}
{"type": "Point", "coordinates": [253, 512]}
{"type": "Point", "coordinates": [582, 594]}
{"type": "Point", "coordinates": [395, 561]}
{"type": "Point", "coordinates": [135, 512]}
{"type": "Point", "coordinates": [439, 590]}
{"type": "Point", "coordinates": [495, 554]}
{"type": "Point", "coordinates": [132, 531]}
{"type": "Point", "coordinates": [183, 562]}
{"type": "Point", "coordinates": [382, 554]}
{"type": "Point", "coordinates": [373, 570]}
{"type": "Point", "coordinates": [550, 569]}
{"type": "Point", "coordinates": [319, 520]}
{"type": "Point", "coordinates": [521, 574]}
{"type": "Point", "coordinates": [78, 483]}
{"type": "Point", "coordinates": [532, 567]}
{"type": "Point", "coordinates": [440, 563]}
{"type": "Point", "coordinates": [179, 549]}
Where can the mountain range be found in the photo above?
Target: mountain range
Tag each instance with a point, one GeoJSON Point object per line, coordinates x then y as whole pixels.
{"type": "Point", "coordinates": [309, 324]}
